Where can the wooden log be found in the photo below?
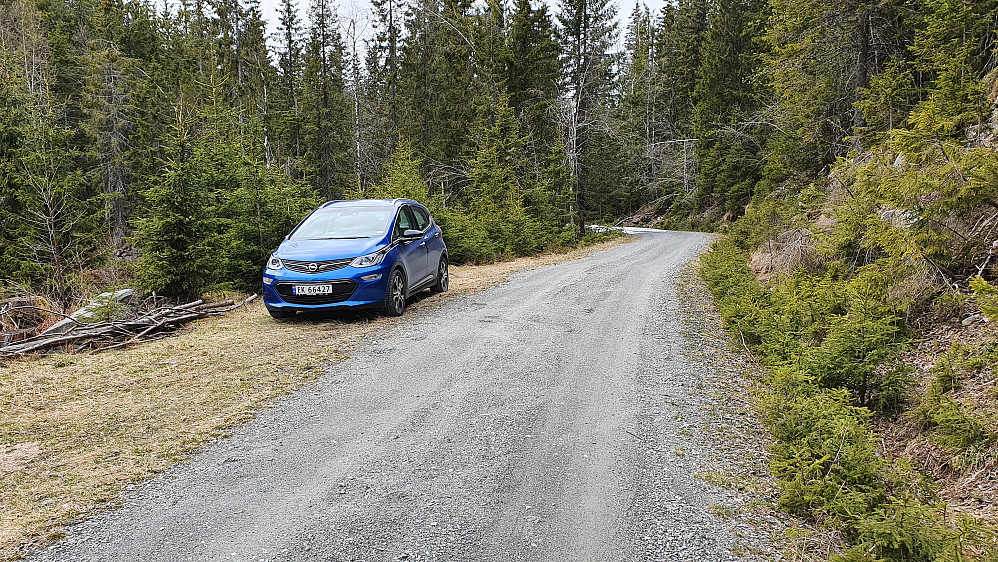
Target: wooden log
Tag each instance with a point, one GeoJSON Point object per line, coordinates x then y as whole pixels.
{"type": "Point", "coordinates": [218, 304]}
{"type": "Point", "coordinates": [248, 300]}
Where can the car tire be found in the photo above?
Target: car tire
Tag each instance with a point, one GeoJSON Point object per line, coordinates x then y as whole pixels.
{"type": "Point", "coordinates": [395, 294]}
{"type": "Point", "coordinates": [443, 278]}
{"type": "Point", "coordinates": [279, 314]}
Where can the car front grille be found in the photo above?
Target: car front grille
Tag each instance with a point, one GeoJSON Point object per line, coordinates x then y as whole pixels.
{"type": "Point", "coordinates": [342, 289]}
{"type": "Point", "coordinates": [320, 266]}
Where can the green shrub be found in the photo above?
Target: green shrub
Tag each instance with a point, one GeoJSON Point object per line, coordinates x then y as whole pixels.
{"type": "Point", "coordinates": [906, 529]}
{"type": "Point", "coordinates": [823, 455]}
{"type": "Point", "coordinates": [832, 344]}
{"type": "Point", "coordinates": [986, 296]}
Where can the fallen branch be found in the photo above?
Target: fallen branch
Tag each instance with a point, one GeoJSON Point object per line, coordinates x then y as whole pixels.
{"type": "Point", "coordinates": [114, 334]}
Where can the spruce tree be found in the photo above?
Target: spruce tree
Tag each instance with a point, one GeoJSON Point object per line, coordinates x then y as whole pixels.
{"type": "Point", "coordinates": [727, 96]}
{"type": "Point", "coordinates": [383, 57]}
{"type": "Point", "coordinates": [438, 94]}
{"type": "Point", "coordinates": [178, 236]}
{"type": "Point", "coordinates": [677, 55]}
{"type": "Point", "coordinates": [325, 108]}
{"type": "Point", "coordinates": [378, 91]}
{"type": "Point", "coordinates": [637, 116]}
{"type": "Point", "coordinates": [496, 175]}
{"type": "Point", "coordinates": [109, 113]}
{"type": "Point", "coordinates": [954, 46]}
{"type": "Point", "coordinates": [587, 34]}
{"type": "Point", "coordinates": [60, 212]}
{"type": "Point", "coordinates": [289, 148]}
{"type": "Point", "coordinates": [533, 69]}
{"type": "Point", "coordinates": [820, 57]}
{"type": "Point", "coordinates": [15, 266]}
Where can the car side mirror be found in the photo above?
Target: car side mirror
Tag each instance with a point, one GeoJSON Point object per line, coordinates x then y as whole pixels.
{"type": "Point", "coordinates": [412, 235]}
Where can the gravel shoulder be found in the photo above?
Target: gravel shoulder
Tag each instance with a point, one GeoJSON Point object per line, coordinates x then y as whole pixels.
{"type": "Point", "coordinates": [588, 410]}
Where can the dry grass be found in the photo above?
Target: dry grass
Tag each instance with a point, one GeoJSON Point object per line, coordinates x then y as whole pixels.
{"type": "Point", "coordinates": [77, 430]}
{"type": "Point", "coordinates": [784, 254]}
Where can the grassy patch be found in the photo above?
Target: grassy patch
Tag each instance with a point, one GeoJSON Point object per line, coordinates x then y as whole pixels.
{"type": "Point", "coordinates": [722, 511]}
{"type": "Point", "coordinates": [76, 430]}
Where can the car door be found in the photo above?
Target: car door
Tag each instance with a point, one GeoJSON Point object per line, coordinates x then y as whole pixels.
{"type": "Point", "coordinates": [413, 252]}
{"type": "Point", "coordinates": [431, 237]}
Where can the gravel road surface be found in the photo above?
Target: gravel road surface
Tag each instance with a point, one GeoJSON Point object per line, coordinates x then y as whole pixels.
{"type": "Point", "coordinates": [568, 414]}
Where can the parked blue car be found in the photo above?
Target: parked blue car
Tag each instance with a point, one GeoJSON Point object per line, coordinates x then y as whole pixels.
{"type": "Point", "coordinates": [371, 253]}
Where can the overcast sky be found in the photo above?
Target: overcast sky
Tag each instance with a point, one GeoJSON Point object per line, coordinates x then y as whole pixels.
{"type": "Point", "coordinates": [360, 12]}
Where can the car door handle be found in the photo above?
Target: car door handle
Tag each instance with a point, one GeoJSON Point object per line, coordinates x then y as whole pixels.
{"type": "Point", "coordinates": [422, 243]}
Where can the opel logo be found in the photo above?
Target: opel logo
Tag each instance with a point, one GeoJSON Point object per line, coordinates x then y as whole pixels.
{"type": "Point", "coordinates": [313, 267]}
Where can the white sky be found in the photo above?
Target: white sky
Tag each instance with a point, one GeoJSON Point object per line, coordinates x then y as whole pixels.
{"type": "Point", "coordinates": [359, 11]}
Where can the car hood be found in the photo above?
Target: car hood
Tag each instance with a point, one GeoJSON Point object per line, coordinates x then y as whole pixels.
{"type": "Point", "coordinates": [321, 250]}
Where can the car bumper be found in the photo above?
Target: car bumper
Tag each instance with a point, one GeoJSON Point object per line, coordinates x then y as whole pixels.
{"type": "Point", "coordinates": [352, 288]}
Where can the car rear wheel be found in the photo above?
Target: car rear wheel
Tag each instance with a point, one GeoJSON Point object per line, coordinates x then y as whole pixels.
{"type": "Point", "coordinates": [278, 314]}
{"type": "Point", "coordinates": [443, 277]}
{"type": "Point", "coordinates": [395, 297]}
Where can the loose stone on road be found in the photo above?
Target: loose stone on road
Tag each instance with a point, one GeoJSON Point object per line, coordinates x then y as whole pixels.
{"type": "Point", "coordinates": [576, 412]}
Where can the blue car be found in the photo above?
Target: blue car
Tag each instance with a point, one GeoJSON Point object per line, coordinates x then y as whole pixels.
{"type": "Point", "coordinates": [371, 253]}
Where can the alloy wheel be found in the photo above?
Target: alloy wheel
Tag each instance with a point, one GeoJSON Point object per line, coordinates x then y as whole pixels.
{"type": "Point", "coordinates": [396, 294]}
{"type": "Point", "coordinates": [443, 277]}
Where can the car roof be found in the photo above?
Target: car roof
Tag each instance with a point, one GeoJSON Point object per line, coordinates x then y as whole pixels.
{"type": "Point", "coordinates": [369, 203]}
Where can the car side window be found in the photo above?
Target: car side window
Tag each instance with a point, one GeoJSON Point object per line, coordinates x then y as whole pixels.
{"type": "Point", "coordinates": [403, 222]}
{"type": "Point", "coordinates": [421, 216]}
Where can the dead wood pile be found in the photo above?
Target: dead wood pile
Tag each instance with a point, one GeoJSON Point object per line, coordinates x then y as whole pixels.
{"type": "Point", "coordinates": [151, 319]}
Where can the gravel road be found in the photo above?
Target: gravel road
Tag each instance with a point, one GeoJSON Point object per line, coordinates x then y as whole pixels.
{"type": "Point", "coordinates": [572, 413]}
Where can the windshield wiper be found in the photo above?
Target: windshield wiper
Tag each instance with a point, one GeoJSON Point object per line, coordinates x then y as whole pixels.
{"type": "Point", "coordinates": [341, 238]}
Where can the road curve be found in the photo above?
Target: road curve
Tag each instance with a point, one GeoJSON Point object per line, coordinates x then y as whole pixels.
{"type": "Point", "coordinates": [534, 421]}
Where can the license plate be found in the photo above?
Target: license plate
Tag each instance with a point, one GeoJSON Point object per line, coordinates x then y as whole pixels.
{"type": "Point", "coordinates": [312, 289]}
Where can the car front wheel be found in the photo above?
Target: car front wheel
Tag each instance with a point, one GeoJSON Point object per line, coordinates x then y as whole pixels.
{"type": "Point", "coordinates": [395, 297]}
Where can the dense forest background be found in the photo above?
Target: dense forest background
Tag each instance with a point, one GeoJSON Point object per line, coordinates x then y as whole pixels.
{"type": "Point", "coordinates": [847, 147]}
{"type": "Point", "coordinates": [175, 135]}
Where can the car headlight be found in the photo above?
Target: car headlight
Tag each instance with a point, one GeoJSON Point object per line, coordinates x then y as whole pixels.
{"type": "Point", "coordinates": [369, 260]}
{"type": "Point", "coordinates": [275, 263]}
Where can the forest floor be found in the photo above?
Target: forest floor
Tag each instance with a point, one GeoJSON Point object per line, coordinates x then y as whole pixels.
{"type": "Point", "coordinates": [78, 430]}
{"type": "Point", "coordinates": [967, 477]}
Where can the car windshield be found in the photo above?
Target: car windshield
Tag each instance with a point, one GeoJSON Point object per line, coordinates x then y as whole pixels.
{"type": "Point", "coordinates": [345, 223]}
